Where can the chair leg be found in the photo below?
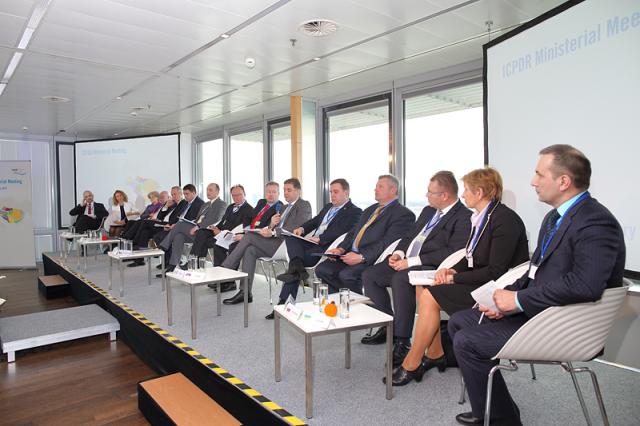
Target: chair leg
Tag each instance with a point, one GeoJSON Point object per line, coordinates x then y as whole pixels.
{"type": "Point", "coordinates": [533, 372]}
{"type": "Point", "coordinates": [463, 390]}
{"type": "Point", "coordinates": [487, 408]}
{"type": "Point", "coordinates": [572, 372]}
{"type": "Point", "coordinates": [267, 276]}
{"type": "Point", "coordinates": [596, 389]}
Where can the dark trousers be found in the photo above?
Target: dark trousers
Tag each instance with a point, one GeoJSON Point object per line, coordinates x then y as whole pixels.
{"type": "Point", "coordinates": [203, 241]}
{"type": "Point", "coordinates": [84, 223]}
{"type": "Point", "coordinates": [297, 248]}
{"type": "Point", "coordinates": [474, 345]}
{"type": "Point", "coordinates": [340, 275]}
{"type": "Point", "coordinates": [145, 231]}
{"type": "Point", "coordinates": [131, 228]}
{"type": "Point", "coordinates": [377, 279]}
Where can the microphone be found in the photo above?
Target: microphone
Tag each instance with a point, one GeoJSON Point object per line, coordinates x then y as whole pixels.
{"type": "Point", "coordinates": [278, 207]}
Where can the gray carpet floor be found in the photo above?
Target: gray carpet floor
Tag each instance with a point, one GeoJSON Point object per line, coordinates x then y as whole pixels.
{"type": "Point", "coordinates": [355, 396]}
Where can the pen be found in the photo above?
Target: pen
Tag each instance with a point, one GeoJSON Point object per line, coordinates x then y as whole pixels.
{"type": "Point", "coordinates": [481, 316]}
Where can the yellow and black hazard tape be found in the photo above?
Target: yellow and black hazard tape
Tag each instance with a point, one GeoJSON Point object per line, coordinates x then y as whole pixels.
{"type": "Point", "coordinates": [248, 390]}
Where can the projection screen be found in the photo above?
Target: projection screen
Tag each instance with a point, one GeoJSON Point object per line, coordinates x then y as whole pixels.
{"type": "Point", "coordinates": [570, 76]}
{"type": "Point", "coordinates": [136, 166]}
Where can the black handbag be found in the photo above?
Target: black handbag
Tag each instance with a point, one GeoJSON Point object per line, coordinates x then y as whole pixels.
{"type": "Point", "coordinates": [447, 344]}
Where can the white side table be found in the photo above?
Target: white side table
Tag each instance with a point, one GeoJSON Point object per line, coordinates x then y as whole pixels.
{"type": "Point", "coordinates": [202, 277]}
{"type": "Point", "coordinates": [120, 257]}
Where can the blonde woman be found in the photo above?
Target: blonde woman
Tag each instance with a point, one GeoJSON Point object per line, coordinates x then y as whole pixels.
{"type": "Point", "coordinates": [121, 212]}
{"type": "Point", "coordinates": [497, 242]}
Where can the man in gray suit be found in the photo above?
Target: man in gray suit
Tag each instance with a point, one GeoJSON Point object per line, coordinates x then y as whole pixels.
{"type": "Point", "coordinates": [265, 243]}
{"type": "Point", "coordinates": [183, 232]}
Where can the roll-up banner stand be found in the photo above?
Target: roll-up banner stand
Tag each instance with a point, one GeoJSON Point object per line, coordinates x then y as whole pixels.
{"type": "Point", "coordinates": [16, 219]}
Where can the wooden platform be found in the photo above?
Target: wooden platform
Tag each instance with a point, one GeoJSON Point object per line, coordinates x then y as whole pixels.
{"type": "Point", "coordinates": [175, 400]}
{"type": "Point", "coordinates": [53, 286]}
{"type": "Point", "coordinates": [61, 325]}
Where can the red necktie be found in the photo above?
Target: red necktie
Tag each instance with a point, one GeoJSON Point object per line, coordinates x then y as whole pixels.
{"type": "Point", "coordinates": [257, 218]}
{"type": "Point", "coordinates": [89, 210]}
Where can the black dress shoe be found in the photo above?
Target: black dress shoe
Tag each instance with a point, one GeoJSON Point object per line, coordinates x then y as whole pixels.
{"type": "Point", "coordinates": [400, 351]}
{"type": "Point", "coordinates": [288, 277]}
{"type": "Point", "coordinates": [159, 266]}
{"type": "Point", "coordinates": [183, 266]}
{"type": "Point", "coordinates": [439, 363]}
{"type": "Point", "coordinates": [468, 419]}
{"type": "Point", "coordinates": [226, 286]}
{"type": "Point", "coordinates": [402, 377]}
{"type": "Point", "coordinates": [136, 262]}
{"type": "Point", "coordinates": [238, 298]}
{"type": "Point", "coordinates": [270, 316]}
{"type": "Point", "coordinates": [377, 338]}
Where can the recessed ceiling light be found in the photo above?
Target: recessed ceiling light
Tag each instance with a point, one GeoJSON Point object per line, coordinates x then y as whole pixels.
{"type": "Point", "coordinates": [317, 58]}
{"type": "Point", "coordinates": [55, 99]}
{"type": "Point", "coordinates": [115, 134]}
{"type": "Point", "coordinates": [318, 27]}
{"type": "Point", "coordinates": [118, 98]}
{"type": "Point", "coordinates": [225, 35]}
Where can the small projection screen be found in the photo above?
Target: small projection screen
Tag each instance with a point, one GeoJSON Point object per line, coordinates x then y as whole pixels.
{"type": "Point", "coordinates": [571, 76]}
{"type": "Point", "coordinates": [136, 166]}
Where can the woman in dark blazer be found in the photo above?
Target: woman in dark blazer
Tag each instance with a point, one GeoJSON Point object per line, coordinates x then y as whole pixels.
{"type": "Point", "coordinates": [497, 242]}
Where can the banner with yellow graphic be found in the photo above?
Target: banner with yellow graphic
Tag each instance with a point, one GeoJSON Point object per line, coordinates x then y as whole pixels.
{"type": "Point", "coordinates": [16, 221]}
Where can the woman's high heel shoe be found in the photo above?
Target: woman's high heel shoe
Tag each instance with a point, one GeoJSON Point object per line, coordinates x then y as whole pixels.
{"type": "Point", "coordinates": [401, 376]}
{"type": "Point", "coordinates": [440, 363]}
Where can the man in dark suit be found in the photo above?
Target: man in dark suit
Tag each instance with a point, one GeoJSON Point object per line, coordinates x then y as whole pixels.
{"type": "Point", "coordinates": [335, 219]}
{"type": "Point", "coordinates": [442, 228]}
{"type": "Point", "coordinates": [90, 213]}
{"type": "Point", "coordinates": [379, 226]}
{"type": "Point", "coordinates": [265, 243]}
{"type": "Point", "coordinates": [237, 213]}
{"type": "Point", "coordinates": [209, 213]}
{"type": "Point", "coordinates": [149, 227]}
{"type": "Point", "coordinates": [580, 253]}
{"type": "Point", "coordinates": [187, 210]}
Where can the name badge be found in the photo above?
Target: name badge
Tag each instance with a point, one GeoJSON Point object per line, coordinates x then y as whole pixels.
{"type": "Point", "coordinates": [470, 261]}
{"type": "Point", "coordinates": [257, 223]}
{"type": "Point", "coordinates": [532, 271]}
{"type": "Point", "coordinates": [420, 238]}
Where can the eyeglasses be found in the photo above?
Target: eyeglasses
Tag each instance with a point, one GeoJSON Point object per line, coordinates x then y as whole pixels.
{"type": "Point", "coordinates": [429, 193]}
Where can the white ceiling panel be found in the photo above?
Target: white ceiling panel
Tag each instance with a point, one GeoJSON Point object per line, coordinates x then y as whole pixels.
{"type": "Point", "coordinates": [94, 50]}
{"type": "Point", "coordinates": [10, 29]}
{"type": "Point", "coordinates": [20, 8]}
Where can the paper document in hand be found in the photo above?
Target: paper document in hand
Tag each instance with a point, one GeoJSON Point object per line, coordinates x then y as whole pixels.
{"type": "Point", "coordinates": [224, 239]}
{"type": "Point", "coordinates": [484, 295]}
{"type": "Point", "coordinates": [291, 234]}
{"type": "Point", "coordinates": [182, 219]}
{"type": "Point", "coordinates": [421, 277]}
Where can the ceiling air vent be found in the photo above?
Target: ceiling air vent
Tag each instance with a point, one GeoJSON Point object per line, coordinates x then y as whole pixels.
{"type": "Point", "coordinates": [55, 99]}
{"type": "Point", "coordinates": [318, 27]}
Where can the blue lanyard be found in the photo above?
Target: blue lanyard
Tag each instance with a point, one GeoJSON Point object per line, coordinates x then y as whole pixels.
{"type": "Point", "coordinates": [431, 225]}
{"type": "Point", "coordinates": [480, 230]}
{"type": "Point", "coordinates": [547, 241]}
{"type": "Point", "coordinates": [330, 215]}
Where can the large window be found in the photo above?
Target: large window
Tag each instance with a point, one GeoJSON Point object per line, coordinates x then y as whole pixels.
{"type": "Point", "coordinates": [442, 131]}
{"type": "Point", "coordinates": [247, 163]}
{"type": "Point", "coordinates": [211, 165]}
{"type": "Point", "coordinates": [280, 134]}
{"type": "Point", "coordinates": [358, 143]}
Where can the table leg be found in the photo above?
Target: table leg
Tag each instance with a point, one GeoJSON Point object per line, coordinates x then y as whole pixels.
{"type": "Point", "coordinates": [347, 349]}
{"type": "Point", "coordinates": [110, 271]}
{"type": "Point", "coordinates": [245, 289]}
{"type": "Point", "coordinates": [194, 309]}
{"type": "Point", "coordinates": [219, 295]}
{"type": "Point", "coordinates": [308, 376]}
{"type": "Point", "coordinates": [149, 270]}
{"type": "Point", "coordinates": [78, 252]}
{"type": "Point", "coordinates": [164, 276]}
{"type": "Point", "coordinates": [121, 267]}
{"type": "Point", "coordinates": [85, 251]}
{"type": "Point", "coordinates": [169, 303]}
{"type": "Point", "coordinates": [276, 331]}
{"type": "Point", "coordinates": [389, 359]}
